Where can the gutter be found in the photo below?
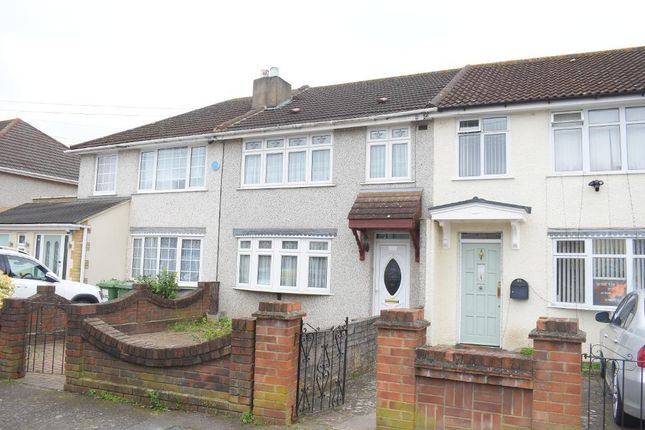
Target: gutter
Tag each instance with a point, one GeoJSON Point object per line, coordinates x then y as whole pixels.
{"type": "Point", "coordinates": [167, 140]}
{"type": "Point", "coordinates": [47, 227]}
{"type": "Point", "coordinates": [38, 175]}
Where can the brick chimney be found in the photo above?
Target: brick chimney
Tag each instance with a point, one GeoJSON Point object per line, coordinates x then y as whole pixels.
{"type": "Point", "coordinates": [270, 90]}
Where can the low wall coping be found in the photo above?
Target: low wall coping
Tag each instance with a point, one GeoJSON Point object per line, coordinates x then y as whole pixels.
{"type": "Point", "coordinates": [558, 330]}
{"type": "Point", "coordinates": [279, 310]}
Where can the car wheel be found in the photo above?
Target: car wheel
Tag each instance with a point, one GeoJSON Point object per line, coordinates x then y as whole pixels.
{"type": "Point", "coordinates": [619, 415]}
{"type": "Point", "coordinates": [83, 302]}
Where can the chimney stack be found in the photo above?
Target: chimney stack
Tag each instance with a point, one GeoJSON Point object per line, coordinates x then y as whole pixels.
{"type": "Point", "coordinates": [270, 90]}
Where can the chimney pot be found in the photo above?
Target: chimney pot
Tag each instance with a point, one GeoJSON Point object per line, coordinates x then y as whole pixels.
{"type": "Point", "coordinates": [274, 71]}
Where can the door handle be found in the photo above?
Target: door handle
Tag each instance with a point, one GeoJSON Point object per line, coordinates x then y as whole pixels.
{"type": "Point", "coordinates": [499, 292]}
{"type": "Point", "coordinates": [606, 336]}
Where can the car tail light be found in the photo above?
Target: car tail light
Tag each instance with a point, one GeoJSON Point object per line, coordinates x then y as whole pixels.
{"type": "Point", "coordinates": [640, 357]}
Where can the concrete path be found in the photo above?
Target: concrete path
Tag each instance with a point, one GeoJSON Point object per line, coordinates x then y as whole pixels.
{"type": "Point", "coordinates": [34, 404]}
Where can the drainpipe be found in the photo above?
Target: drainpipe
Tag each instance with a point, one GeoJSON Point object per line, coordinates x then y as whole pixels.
{"type": "Point", "coordinates": [219, 211]}
{"type": "Point", "coordinates": [83, 253]}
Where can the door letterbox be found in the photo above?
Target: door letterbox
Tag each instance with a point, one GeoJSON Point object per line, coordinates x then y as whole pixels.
{"type": "Point", "coordinates": [519, 289]}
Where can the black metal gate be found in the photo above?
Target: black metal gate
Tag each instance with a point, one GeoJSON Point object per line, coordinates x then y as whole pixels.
{"type": "Point", "coordinates": [613, 390]}
{"type": "Point", "coordinates": [45, 339]}
{"type": "Point", "coordinates": [322, 368]}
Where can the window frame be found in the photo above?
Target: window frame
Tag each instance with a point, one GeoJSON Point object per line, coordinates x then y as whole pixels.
{"type": "Point", "coordinates": [303, 253]}
{"type": "Point", "coordinates": [309, 148]}
{"type": "Point", "coordinates": [482, 148]}
{"type": "Point", "coordinates": [588, 258]}
{"type": "Point", "coordinates": [180, 241]}
{"type": "Point", "coordinates": [585, 129]}
{"type": "Point", "coordinates": [187, 171]}
{"type": "Point", "coordinates": [96, 173]}
{"type": "Point", "coordinates": [389, 142]}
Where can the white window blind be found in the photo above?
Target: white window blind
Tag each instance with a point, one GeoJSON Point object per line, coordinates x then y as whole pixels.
{"type": "Point", "coordinates": [106, 166]}
{"type": "Point", "coordinates": [483, 147]}
{"type": "Point", "coordinates": [181, 255]}
{"type": "Point", "coordinates": [172, 169]}
{"type": "Point", "coordinates": [388, 154]}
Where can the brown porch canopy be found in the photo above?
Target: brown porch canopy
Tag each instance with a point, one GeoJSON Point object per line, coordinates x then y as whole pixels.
{"type": "Point", "coordinates": [385, 210]}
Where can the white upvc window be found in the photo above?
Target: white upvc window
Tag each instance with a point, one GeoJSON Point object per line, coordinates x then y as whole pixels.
{"type": "Point", "coordinates": [596, 272]}
{"type": "Point", "coordinates": [181, 255]}
{"type": "Point", "coordinates": [105, 174]}
{"type": "Point", "coordinates": [388, 154]}
{"type": "Point", "coordinates": [286, 264]}
{"type": "Point", "coordinates": [287, 161]}
{"type": "Point", "coordinates": [599, 140]}
{"type": "Point", "coordinates": [166, 169]}
{"type": "Point", "coordinates": [483, 147]}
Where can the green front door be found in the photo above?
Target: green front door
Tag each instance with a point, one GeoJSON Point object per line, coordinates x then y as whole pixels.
{"type": "Point", "coordinates": [480, 301]}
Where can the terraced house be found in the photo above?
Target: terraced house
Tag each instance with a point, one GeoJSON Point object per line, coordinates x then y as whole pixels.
{"type": "Point", "coordinates": [465, 191]}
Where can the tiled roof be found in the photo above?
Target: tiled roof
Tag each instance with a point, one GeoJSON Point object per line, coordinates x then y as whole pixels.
{"type": "Point", "coordinates": [25, 148]}
{"type": "Point", "coordinates": [353, 100]}
{"type": "Point", "coordinates": [199, 121]}
{"type": "Point", "coordinates": [593, 74]}
{"type": "Point", "coordinates": [58, 213]}
{"type": "Point", "coordinates": [386, 205]}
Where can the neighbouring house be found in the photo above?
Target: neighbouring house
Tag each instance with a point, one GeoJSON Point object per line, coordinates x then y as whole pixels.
{"type": "Point", "coordinates": [82, 240]}
{"type": "Point", "coordinates": [33, 164]}
{"type": "Point", "coordinates": [454, 189]}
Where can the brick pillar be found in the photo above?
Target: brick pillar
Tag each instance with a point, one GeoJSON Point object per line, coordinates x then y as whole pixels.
{"type": "Point", "coordinates": [73, 345]}
{"type": "Point", "coordinates": [276, 361]}
{"type": "Point", "coordinates": [242, 363]}
{"type": "Point", "coordinates": [13, 330]}
{"type": "Point", "coordinates": [557, 387]}
{"type": "Point", "coordinates": [400, 333]}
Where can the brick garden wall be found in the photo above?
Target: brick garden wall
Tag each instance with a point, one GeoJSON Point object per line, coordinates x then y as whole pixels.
{"type": "Point", "coordinates": [445, 387]}
{"type": "Point", "coordinates": [361, 345]}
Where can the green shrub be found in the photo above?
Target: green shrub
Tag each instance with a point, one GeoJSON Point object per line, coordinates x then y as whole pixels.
{"type": "Point", "coordinates": [6, 287]}
{"type": "Point", "coordinates": [247, 418]}
{"type": "Point", "coordinates": [526, 351]}
{"type": "Point", "coordinates": [164, 284]}
{"type": "Point", "coordinates": [204, 329]}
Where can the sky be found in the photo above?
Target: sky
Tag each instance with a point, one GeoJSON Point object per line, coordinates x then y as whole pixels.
{"type": "Point", "coordinates": [78, 70]}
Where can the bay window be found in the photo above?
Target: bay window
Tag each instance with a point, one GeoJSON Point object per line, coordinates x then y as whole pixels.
{"type": "Point", "coordinates": [172, 169]}
{"type": "Point", "coordinates": [182, 255]}
{"type": "Point", "coordinates": [599, 140]}
{"type": "Point", "coordinates": [483, 147]}
{"type": "Point", "coordinates": [388, 154]}
{"type": "Point", "coordinates": [288, 264]}
{"type": "Point", "coordinates": [597, 271]}
{"type": "Point", "coordinates": [287, 161]}
{"type": "Point", "coordinates": [105, 178]}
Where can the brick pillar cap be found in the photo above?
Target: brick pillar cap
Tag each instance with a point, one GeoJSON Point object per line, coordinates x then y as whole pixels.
{"type": "Point", "coordinates": [277, 309]}
{"type": "Point", "coordinates": [402, 318]}
{"type": "Point", "coordinates": [558, 329]}
{"type": "Point", "coordinates": [45, 289]}
{"type": "Point", "coordinates": [139, 286]}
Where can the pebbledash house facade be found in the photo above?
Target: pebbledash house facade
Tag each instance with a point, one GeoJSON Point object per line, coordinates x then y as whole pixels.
{"type": "Point", "coordinates": [491, 195]}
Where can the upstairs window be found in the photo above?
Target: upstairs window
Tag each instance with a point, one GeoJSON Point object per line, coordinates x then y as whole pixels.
{"type": "Point", "coordinates": [172, 169]}
{"type": "Point", "coordinates": [483, 148]}
{"type": "Point", "coordinates": [106, 166]}
{"type": "Point", "coordinates": [287, 161]}
{"type": "Point", "coordinates": [599, 140]}
{"type": "Point", "coordinates": [388, 154]}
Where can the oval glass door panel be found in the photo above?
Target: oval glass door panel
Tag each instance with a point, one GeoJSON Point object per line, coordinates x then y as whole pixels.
{"type": "Point", "coordinates": [392, 277]}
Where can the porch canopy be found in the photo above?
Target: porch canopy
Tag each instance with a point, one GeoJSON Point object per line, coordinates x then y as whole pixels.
{"type": "Point", "coordinates": [480, 210]}
{"type": "Point", "coordinates": [385, 210]}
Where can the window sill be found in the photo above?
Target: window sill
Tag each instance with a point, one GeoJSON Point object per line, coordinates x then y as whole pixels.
{"type": "Point", "coordinates": [386, 182]}
{"type": "Point", "coordinates": [102, 194]}
{"type": "Point", "coordinates": [609, 173]}
{"type": "Point", "coordinates": [187, 190]}
{"type": "Point", "coordinates": [582, 307]}
{"type": "Point", "coordinates": [276, 186]}
{"type": "Point", "coordinates": [483, 178]}
{"type": "Point", "coordinates": [283, 291]}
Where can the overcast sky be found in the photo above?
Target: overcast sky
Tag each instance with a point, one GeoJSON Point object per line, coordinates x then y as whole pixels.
{"type": "Point", "coordinates": [83, 69]}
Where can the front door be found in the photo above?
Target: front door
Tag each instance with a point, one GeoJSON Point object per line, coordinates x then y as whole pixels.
{"type": "Point", "coordinates": [480, 293]}
{"type": "Point", "coordinates": [51, 252]}
{"type": "Point", "coordinates": [392, 274]}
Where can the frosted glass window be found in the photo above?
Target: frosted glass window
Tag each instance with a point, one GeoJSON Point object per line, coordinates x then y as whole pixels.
{"type": "Point", "coordinates": [321, 140]}
{"type": "Point", "coordinates": [264, 269]}
{"type": "Point", "coordinates": [245, 268]}
{"type": "Point", "coordinates": [494, 124]}
{"type": "Point", "coordinates": [245, 244]}
{"type": "Point", "coordinates": [400, 160]}
{"type": "Point", "coordinates": [495, 154]}
{"type": "Point", "coordinates": [197, 166]}
{"type": "Point", "coordinates": [603, 116]}
{"type": "Point", "coordinates": [288, 271]}
{"type": "Point", "coordinates": [250, 146]}
{"type": "Point", "coordinates": [171, 168]}
{"type": "Point", "coordinates": [377, 161]}
{"type": "Point", "coordinates": [636, 146]}
{"type": "Point", "coordinates": [320, 165]}
{"type": "Point", "coordinates": [147, 171]}
{"type": "Point", "coordinates": [297, 141]}
{"type": "Point", "coordinates": [469, 155]}
{"type": "Point", "coordinates": [635, 113]}
{"type": "Point", "coordinates": [252, 169]}
{"type": "Point", "coordinates": [275, 143]}
{"type": "Point", "coordinates": [273, 168]}
{"type": "Point", "coordinates": [297, 169]}
{"type": "Point", "coordinates": [106, 173]}
{"type": "Point", "coordinates": [190, 260]}
{"type": "Point", "coordinates": [378, 134]}
{"type": "Point", "coordinates": [568, 149]}
{"type": "Point", "coordinates": [604, 148]}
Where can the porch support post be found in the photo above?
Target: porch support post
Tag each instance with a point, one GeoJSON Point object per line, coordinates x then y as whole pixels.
{"type": "Point", "coordinates": [276, 361]}
{"type": "Point", "coordinates": [446, 232]}
{"type": "Point", "coordinates": [557, 386]}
